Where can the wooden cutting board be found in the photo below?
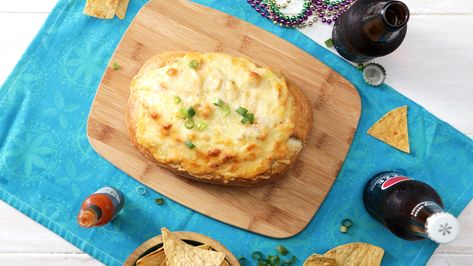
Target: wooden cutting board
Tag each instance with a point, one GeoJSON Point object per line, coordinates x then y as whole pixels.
{"type": "Point", "coordinates": [280, 209]}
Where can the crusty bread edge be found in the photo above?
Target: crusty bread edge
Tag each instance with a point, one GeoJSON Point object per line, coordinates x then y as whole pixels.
{"type": "Point", "coordinates": [302, 124]}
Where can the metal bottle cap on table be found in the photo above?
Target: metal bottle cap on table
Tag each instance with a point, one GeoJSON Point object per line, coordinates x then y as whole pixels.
{"type": "Point", "coordinates": [374, 74]}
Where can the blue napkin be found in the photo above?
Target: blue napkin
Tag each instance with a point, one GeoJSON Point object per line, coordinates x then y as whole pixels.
{"type": "Point", "coordinates": [47, 166]}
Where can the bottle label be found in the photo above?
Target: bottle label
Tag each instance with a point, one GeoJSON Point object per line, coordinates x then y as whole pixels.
{"type": "Point", "coordinates": [386, 180]}
{"type": "Point", "coordinates": [415, 211]}
{"type": "Point", "coordinates": [110, 191]}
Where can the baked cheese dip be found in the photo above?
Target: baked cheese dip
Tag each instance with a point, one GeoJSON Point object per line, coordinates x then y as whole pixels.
{"type": "Point", "coordinates": [217, 118]}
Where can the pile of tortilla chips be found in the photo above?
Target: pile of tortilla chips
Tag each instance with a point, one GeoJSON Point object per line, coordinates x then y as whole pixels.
{"type": "Point", "coordinates": [106, 9]}
{"type": "Point", "coordinates": [176, 252]}
{"type": "Point", "coordinates": [351, 254]}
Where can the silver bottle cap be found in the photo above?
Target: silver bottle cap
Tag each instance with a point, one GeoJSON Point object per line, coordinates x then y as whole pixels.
{"type": "Point", "coordinates": [442, 227]}
{"type": "Point", "coordinates": [374, 74]}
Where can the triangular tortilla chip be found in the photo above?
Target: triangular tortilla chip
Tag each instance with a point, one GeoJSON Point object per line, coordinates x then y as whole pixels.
{"type": "Point", "coordinates": [392, 129]}
{"type": "Point", "coordinates": [121, 9]}
{"type": "Point", "coordinates": [101, 8]}
{"type": "Point", "coordinates": [154, 258]}
{"type": "Point", "coordinates": [178, 253]}
{"type": "Point", "coordinates": [358, 253]}
{"type": "Point", "coordinates": [319, 260]}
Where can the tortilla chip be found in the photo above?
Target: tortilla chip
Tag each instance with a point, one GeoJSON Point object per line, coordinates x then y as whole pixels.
{"type": "Point", "coordinates": [205, 246]}
{"type": "Point", "coordinates": [164, 263]}
{"type": "Point", "coordinates": [354, 254]}
{"type": "Point", "coordinates": [152, 259]}
{"type": "Point", "coordinates": [319, 260]}
{"type": "Point", "coordinates": [121, 9]}
{"type": "Point", "coordinates": [392, 129]}
{"type": "Point", "coordinates": [178, 253]}
{"type": "Point", "coordinates": [101, 8]}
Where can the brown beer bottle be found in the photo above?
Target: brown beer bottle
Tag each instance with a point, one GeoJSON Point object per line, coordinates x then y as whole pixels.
{"type": "Point", "coordinates": [369, 29]}
{"type": "Point", "coordinates": [410, 209]}
{"type": "Point", "coordinates": [101, 207]}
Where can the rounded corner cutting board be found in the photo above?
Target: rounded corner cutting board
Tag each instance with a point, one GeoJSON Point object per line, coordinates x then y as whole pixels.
{"type": "Point", "coordinates": [281, 209]}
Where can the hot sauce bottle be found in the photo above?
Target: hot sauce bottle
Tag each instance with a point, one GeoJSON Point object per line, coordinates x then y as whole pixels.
{"type": "Point", "coordinates": [101, 207]}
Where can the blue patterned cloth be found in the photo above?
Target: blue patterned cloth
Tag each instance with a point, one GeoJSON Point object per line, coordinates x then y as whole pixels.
{"type": "Point", "coordinates": [47, 166]}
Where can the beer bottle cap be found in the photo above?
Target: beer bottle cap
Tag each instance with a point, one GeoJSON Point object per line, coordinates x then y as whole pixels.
{"type": "Point", "coordinates": [374, 74]}
{"type": "Point", "coordinates": [442, 227]}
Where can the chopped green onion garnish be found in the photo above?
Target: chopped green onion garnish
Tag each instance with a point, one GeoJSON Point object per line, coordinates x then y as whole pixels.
{"type": "Point", "coordinates": [201, 125]}
{"type": "Point", "coordinates": [190, 112]}
{"type": "Point", "coordinates": [159, 201]}
{"type": "Point", "coordinates": [189, 124]}
{"type": "Point", "coordinates": [241, 111]}
{"type": "Point", "coordinates": [257, 255]}
{"type": "Point", "coordinates": [294, 259]}
{"type": "Point", "coordinates": [347, 222]}
{"type": "Point", "coordinates": [193, 64]}
{"type": "Point", "coordinates": [251, 118]}
{"type": "Point", "coordinates": [274, 260]}
{"type": "Point", "coordinates": [343, 229]}
{"type": "Point", "coordinates": [329, 43]}
{"type": "Point", "coordinates": [115, 66]}
{"type": "Point", "coordinates": [226, 109]}
{"type": "Point", "coordinates": [189, 144]}
{"type": "Point", "coordinates": [263, 262]}
{"type": "Point", "coordinates": [183, 113]}
{"type": "Point", "coordinates": [282, 250]}
{"type": "Point", "coordinates": [242, 260]}
{"type": "Point", "coordinates": [177, 99]}
{"type": "Point", "coordinates": [360, 67]}
{"type": "Point", "coordinates": [245, 120]}
{"type": "Point", "coordinates": [218, 102]}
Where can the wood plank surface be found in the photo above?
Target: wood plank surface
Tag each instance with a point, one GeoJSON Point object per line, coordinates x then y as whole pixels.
{"type": "Point", "coordinates": [286, 206]}
{"type": "Point", "coordinates": [23, 241]}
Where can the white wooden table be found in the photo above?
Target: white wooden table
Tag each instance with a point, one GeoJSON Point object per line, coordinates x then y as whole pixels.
{"type": "Point", "coordinates": [433, 67]}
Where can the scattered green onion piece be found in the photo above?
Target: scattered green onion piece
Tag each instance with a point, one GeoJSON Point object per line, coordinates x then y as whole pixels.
{"type": "Point", "coordinates": [263, 262]}
{"type": "Point", "coordinates": [189, 124]}
{"type": "Point", "coordinates": [282, 250]}
{"type": "Point", "coordinates": [294, 259]}
{"type": "Point", "coordinates": [274, 260]}
{"type": "Point", "coordinates": [193, 64]}
{"type": "Point", "coordinates": [360, 67]}
{"type": "Point", "coordinates": [218, 102]}
{"type": "Point", "coordinates": [190, 112]}
{"type": "Point", "coordinates": [177, 99]}
{"type": "Point", "coordinates": [347, 222]}
{"type": "Point", "coordinates": [245, 120]}
{"type": "Point", "coordinates": [115, 66]}
{"type": "Point", "coordinates": [201, 125]}
{"type": "Point", "coordinates": [241, 111]}
{"type": "Point", "coordinates": [159, 201]}
{"type": "Point", "coordinates": [226, 110]}
{"type": "Point", "coordinates": [257, 255]}
{"type": "Point", "coordinates": [243, 261]}
{"type": "Point", "coordinates": [343, 229]}
{"type": "Point", "coordinates": [189, 144]}
{"type": "Point", "coordinates": [329, 43]}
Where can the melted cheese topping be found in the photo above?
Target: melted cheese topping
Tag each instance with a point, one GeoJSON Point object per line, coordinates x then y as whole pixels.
{"type": "Point", "coordinates": [227, 148]}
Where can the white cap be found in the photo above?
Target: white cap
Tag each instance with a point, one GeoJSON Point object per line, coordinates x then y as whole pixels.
{"type": "Point", "coordinates": [442, 227]}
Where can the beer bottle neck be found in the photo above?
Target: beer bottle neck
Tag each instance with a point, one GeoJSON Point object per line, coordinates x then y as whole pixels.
{"type": "Point", "coordinates": [430, 221]}
{"type": "Point", "coordinates": [383, 21]}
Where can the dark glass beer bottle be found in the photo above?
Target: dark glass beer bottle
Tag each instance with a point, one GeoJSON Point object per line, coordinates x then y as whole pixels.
{"type": "Point", "coordinates": [101, 207]}
{"type": "Point", "coordinates": [410, 209]}
{"type": "Point", "coordinates": [369, 29]}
